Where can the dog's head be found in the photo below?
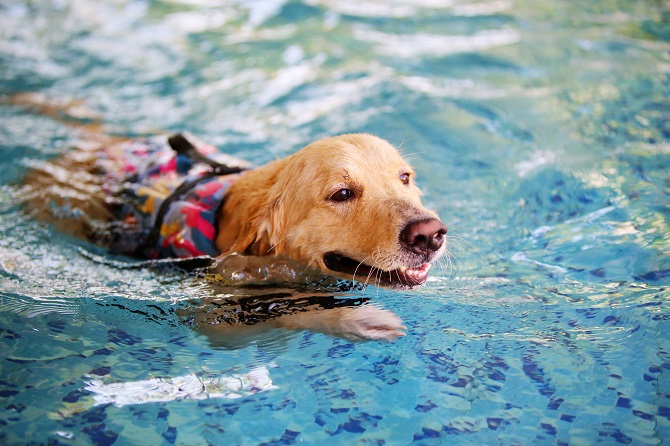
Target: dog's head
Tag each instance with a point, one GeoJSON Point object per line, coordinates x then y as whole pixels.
{"type": "Point", "coordinates": [348, 205]}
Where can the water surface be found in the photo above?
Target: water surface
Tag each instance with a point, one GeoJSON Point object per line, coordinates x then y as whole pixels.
{"type": "Point", "coordinates": [539, 131]}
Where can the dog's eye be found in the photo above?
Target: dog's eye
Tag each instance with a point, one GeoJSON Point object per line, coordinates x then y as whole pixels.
{"type": "Point", "coordinates": [404, 177]}
{"type": "Point", "coordinates": [342, 195]}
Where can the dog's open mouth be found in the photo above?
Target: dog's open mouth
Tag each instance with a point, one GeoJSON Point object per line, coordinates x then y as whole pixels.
{"type": "Point", "coordinates": [403, 276]}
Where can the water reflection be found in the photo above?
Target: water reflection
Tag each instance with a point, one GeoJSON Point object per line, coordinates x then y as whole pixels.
{"type": "Point", "coordinates": [239, 299]}
{"type": "Point", "coordinates": [234, 317]}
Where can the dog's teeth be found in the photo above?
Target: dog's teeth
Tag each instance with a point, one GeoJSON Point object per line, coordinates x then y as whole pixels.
{"type": "Point", "coordinates": [402, 269]}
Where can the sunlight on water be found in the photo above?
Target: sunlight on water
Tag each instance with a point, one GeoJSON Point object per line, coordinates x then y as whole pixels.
{"type": "Point", "coordinates": [539, 132]}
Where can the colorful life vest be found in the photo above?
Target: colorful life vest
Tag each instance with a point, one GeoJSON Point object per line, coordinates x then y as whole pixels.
{"type": "Point", "coordinates": [152, 172]}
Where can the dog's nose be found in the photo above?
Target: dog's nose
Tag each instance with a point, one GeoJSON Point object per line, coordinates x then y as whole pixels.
{"type": "Point", "coordinates": [424, 236]}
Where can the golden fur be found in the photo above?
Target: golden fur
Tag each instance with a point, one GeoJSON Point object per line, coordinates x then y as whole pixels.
{"type": "Point", "coordinates": [283, 208]}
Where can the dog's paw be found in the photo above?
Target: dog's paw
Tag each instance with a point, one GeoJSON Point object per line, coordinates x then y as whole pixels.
{"type": "Point", "coordinates": [369, 322]}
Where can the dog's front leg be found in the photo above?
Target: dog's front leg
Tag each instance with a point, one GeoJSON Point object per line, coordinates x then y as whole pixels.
{"type": "Point", "coordinates": [366, 322]}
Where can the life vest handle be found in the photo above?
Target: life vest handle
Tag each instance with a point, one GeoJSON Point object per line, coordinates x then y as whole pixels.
{"type": "Point", "coordinates": [183, 146]}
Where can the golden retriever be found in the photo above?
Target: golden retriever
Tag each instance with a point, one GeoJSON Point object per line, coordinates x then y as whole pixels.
{"type": "Point", "coordinates": [348, 206]}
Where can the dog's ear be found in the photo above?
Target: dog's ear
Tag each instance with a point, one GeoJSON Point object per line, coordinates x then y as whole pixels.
{"type": "Point", "coordinates": [234, 236]}
{"type": "Point", "coordinates": [253, 217]}
{"type": "Point", "coordinates": [269, 224]}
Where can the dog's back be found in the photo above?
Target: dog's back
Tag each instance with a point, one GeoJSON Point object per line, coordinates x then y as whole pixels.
{"type": "Point", "coordinates": [67, 192]}
{"type": "Point", "coordinates": [111, 193]}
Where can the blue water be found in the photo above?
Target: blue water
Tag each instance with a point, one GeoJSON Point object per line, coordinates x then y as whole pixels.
{"type": "Point", "coordinates": [540, 132]}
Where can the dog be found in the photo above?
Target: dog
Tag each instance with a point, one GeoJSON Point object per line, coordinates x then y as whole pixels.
{"type": "Point", "coordinates": [347, 206]}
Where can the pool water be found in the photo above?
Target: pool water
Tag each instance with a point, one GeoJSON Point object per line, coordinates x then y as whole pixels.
{"type": "Point", "coordinates": [540, 132]}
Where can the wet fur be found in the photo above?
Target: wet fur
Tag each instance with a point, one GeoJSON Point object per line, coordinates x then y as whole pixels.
{"type": "Point", "coordinates": [283, 208]}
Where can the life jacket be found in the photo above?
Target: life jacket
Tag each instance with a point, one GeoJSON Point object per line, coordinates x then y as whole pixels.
{"type": "Point", "coordinates": [167, 202]}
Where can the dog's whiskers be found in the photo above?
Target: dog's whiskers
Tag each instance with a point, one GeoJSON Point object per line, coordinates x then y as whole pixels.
{"type": "Point", "coordinates": [450, 267]}
{"type": "Point", "coordinates": [276, 244]}
{"type": "Point", "coordinates": [410, 155]}
{"type": "Point", "coordinates": [446, 265]}
{"type": "Point", "coordinates": [379, 281]}
{"type": "Point", "coordinates": [353, 277]}
{"type": "Point", "coordinates": [378, 275]}
{"type": "Point", "coordinates": [367, 279]}
{"type": "Point", "coordinates": [378, 272]}
{"type": "Point", "coordinates": [454, 237]}
{"type": "Point", "coordinates": [407, 155]}
{"type": "Point", "coordinates": [403, 143]}
{"type": "Point", "coordinates": [397, 274]}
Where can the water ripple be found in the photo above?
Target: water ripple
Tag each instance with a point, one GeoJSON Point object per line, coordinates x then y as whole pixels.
{"type": "Point", "coordinates": [417, 45]}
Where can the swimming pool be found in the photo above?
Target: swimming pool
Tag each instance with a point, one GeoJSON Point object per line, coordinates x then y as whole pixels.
{"type": "Point", "coordinates": [539, 132]}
